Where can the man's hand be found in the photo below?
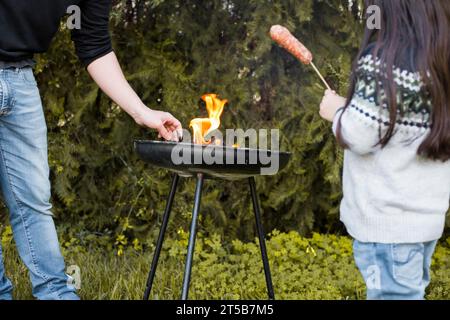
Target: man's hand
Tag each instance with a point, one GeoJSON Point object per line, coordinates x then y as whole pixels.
{"type": "Point", "coordinates": [167, 125]}
{"type": "Point", "coordinates": [330, 104]}
{"type": "Point", "coordinates": [108, 75]}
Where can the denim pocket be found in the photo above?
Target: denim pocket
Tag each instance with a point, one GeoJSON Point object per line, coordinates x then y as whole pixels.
{"type": "Point", "coordinates": [28, 76]}
{"type": "Point", "coordinates": [408, 262]}
{"type": "Point", "coordinates": [5, 98]}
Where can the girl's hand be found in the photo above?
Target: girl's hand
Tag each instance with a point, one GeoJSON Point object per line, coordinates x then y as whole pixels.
{"type": "Point", "coordinates": [167, 125]}
{"type": "Point", "coordinates": [330, 104]}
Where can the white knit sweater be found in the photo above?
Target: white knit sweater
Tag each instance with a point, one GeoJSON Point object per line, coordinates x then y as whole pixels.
{"type": "Point", "coordinates": [391, 195]}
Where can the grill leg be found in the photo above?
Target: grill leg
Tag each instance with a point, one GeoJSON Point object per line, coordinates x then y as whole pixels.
{"type": "Point", "coordinates": [162, 233]}
{"type": "Point", "coordinates": [262, 240]}
{"type": "Point", "coordinates": [192, 237]}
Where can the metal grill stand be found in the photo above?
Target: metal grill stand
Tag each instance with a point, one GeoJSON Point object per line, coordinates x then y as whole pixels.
{"type": "Point", "coordinates": [193, 234]}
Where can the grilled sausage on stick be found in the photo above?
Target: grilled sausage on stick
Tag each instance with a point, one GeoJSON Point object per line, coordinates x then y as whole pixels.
{"type": "Point", "coordinates": [285, 39]}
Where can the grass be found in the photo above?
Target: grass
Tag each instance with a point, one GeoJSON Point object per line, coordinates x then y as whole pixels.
{"type": "Point", "coordinates": [104, 275]}
{"type": "Point", "coordinates": [317, 268]}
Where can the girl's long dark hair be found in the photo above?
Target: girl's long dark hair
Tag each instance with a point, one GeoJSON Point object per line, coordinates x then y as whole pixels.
{"type": "Point", "coordinates": [421, 27]}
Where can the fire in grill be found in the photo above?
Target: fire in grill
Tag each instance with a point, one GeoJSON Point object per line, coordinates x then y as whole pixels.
{"type": "Point", "coordinates": [208, 154]}
{"type": "Point", "coordinates": [194, 160]}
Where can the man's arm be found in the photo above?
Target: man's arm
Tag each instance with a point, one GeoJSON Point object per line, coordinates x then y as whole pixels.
{"type": "Point", "coordinates": [108, 74]}
{"type": "Point", "coordinates": [93, 45]}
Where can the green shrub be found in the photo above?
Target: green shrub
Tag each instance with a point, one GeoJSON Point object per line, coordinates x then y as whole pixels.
{"type": "Point", "coordinates": [316, 268]}
{"type": "Point", "coordinates": [320, 267]}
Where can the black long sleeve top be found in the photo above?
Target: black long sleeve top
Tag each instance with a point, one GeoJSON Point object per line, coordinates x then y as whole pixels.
{"type": "Point", "coordinates": [28, 26]}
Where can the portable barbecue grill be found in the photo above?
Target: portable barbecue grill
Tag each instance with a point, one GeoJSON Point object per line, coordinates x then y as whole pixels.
{"type": "Point", "coordinates": [245, 164]}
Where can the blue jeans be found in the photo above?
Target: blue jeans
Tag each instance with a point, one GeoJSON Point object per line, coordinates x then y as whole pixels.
{"type": "Point", "coordinates": [395, 271]}
{"type": "Point", "coordinates": [25, 186]}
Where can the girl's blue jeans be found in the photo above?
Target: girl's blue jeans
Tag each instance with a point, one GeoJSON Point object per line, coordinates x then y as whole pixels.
{"type": "Point", "coordinates": [395, 271]}
{"type": "Point", "coordinates": [25, 186]}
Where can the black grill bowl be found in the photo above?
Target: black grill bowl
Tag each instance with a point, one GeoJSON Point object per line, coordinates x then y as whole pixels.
{"type": "Point", "coordinates": [251, 161]}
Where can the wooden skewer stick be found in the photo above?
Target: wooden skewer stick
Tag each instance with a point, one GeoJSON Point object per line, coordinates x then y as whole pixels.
{"type": "Point", "coordinates": [320, 76]}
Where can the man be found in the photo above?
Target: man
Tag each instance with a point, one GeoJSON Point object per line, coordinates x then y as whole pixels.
{"type": "Point", "coordinates": [27, 27]}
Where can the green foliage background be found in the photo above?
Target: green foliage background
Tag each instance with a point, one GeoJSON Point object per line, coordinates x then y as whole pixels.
{"type": "Point", "coordinates": [173, 52]}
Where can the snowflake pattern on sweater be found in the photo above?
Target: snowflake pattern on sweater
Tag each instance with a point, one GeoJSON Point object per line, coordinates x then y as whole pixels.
{"type": "Point", "coordinates": [413, 102]}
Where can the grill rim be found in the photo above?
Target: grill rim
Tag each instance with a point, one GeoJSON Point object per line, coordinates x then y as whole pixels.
{"type": "Point", "coordinates": [224, 171]}
{"type": "Point", "coordinates": [187, 144]}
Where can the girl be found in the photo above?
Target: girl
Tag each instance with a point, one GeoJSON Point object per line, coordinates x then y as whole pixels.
{"type": "Point", "coordinates": [395, 128]}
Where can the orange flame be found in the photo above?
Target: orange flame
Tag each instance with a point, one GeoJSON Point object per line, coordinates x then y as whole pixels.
{"type": "Point", "coordinates": [203, 127]}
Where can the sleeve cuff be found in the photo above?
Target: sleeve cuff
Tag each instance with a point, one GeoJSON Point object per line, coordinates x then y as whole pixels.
{"type": "Point", "coordinates": [88, 61]}
{"type": "Point", "coordinates": [336, 118]}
